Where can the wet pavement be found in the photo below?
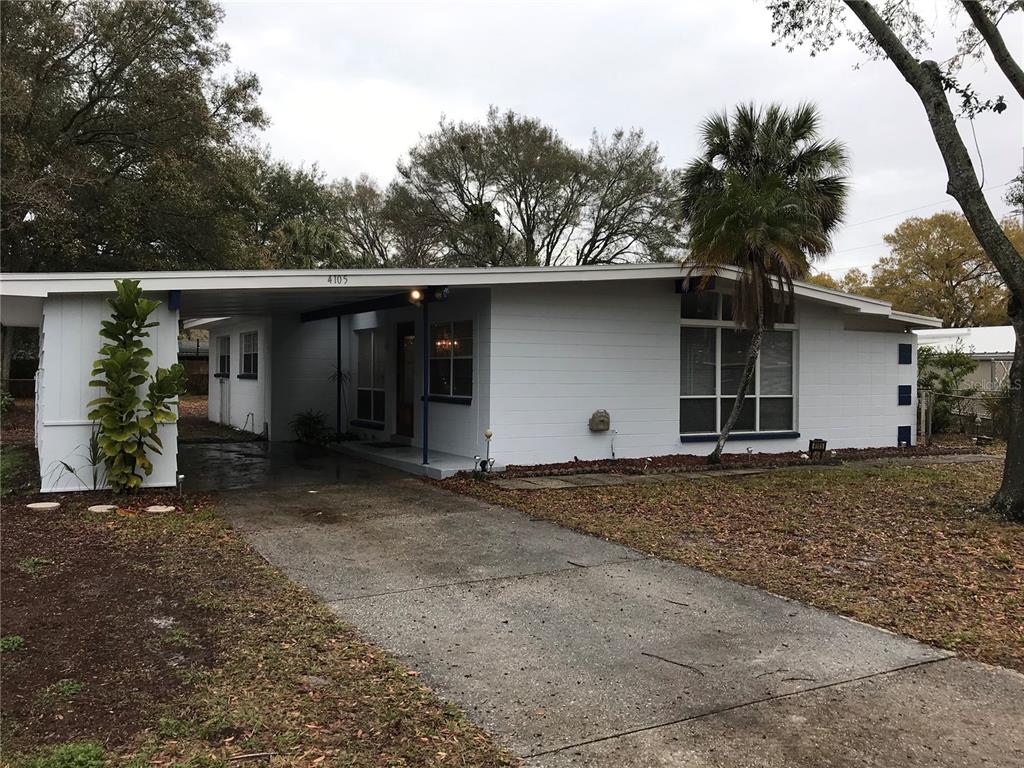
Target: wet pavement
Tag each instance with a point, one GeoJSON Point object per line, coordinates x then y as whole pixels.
{"type": "Point", "coordinates": [264, 465]}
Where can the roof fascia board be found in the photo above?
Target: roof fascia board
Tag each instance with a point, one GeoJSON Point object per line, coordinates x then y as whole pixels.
{"type": "Point", "coordinates": [44, 284]}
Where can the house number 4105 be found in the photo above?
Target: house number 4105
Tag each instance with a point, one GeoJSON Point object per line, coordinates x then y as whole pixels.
{"type": "Point", "coordinates": [337, 280]}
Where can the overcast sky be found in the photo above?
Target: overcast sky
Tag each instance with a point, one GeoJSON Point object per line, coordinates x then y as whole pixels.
{"type": "Point", "coordinates": [351, 86]}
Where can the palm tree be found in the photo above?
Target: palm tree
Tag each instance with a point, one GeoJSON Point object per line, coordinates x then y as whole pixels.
{"type": "Point", "coordinates": [309, 245]}
{"type": "Point", "coordinates": [763, 197]}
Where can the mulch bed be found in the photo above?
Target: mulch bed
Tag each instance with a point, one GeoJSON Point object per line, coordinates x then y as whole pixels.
{"type": "Point", "coordinates": [901, 547]}
{"type": "Point", "coordinates": [94, 612]}
{"type": "Point", "coordinates": [694, 463]}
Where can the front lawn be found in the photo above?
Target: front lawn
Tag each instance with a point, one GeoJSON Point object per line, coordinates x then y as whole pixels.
{"type": "Point", "coordinates": [162, 639]}
{"type": "Point", "coordinates": [898, 547]}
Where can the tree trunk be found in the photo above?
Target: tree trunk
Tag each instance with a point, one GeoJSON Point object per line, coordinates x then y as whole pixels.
{"type": "Point", "coordinates": [741, 393]}
{"type": "Point", "coordinates": [925, 78]}
{"type": "Point", "coordinates": [1009, 499]}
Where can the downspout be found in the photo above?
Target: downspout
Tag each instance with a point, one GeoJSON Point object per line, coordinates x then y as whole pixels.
{"type": "Point", "coordinates": [425, 346]}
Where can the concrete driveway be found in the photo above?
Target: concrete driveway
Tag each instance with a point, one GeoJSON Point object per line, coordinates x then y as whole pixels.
{"type": "Point", "coordinates": [575, 651]}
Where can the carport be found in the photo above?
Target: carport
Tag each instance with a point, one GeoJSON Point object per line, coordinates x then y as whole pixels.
{"type": "Point", "coordinates": [303, 358]}
{"type": "Point", "coordinates": [329, 311]}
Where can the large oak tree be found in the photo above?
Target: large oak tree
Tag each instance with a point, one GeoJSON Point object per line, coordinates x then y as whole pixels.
{"type": "Point", "coordinates": [116, 130]}
{"type": "Point", "coordinates": [894, 30]}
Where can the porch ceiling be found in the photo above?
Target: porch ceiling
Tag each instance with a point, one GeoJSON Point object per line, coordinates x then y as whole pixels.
{"type": "Point", "coordinates": [267, 301]}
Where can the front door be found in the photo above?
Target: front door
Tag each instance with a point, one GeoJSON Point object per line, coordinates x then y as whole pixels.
{"type": "Point", "coordinates": [405, 405]}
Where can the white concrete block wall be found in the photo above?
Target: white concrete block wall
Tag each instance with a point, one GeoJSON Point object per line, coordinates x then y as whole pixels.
{"type": "Point", "coordinates": [247, 400]}
{"type": "Point", "coordinates": [848, 381]}
{"type": "Point", "coordinates": [69, 344]}
{"type": "Point", "coordinates": [558, 353]}
{"type": "Point", "coordinates": [303, 357]}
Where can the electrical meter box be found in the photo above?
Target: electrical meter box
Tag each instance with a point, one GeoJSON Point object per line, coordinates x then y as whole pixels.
{"type": "Point", "coordinates": [600, 421]}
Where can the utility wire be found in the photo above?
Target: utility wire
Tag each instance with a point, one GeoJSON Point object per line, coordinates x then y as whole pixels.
{"type": "Point", "coordinates": [918, 208]}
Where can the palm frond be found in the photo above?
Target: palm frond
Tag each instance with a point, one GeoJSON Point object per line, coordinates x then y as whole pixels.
{"type": "Point", "coordinates": [764, 197]}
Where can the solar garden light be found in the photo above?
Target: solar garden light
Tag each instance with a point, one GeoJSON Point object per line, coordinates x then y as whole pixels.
{"type": "Point", "coordinates": [488, 462]}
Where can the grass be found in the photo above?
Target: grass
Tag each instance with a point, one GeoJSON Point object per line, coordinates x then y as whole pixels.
{"type": "Point", "coordinates": [11, 643]}
{"type": "Point", "coordinates": [17, 470]}
{"type": "Point", "coordinates": [899, 547]}
{"type": "Point", "coordinates": [33, 565]}
{"type": "Point", "coordinates": [238, 661]}
{"type": "Point", "coordinates": [85, 754]}
{"type": "Point", "coordinates": [64, 688]}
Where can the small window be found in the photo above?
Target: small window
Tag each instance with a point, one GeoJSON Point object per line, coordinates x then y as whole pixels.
{"type": "Point", "coordinates": [699, 305]}
{"type": "Point", "coordinates": [223, 355]}
{"type": "Point", "coordinates": [370, 377]}
{"type": "Point", "coordinates": [451, 360]}
{"type": "Point", "coordinates": [249, 344]}
{"type": "Point", "coordinates": [906, 354]}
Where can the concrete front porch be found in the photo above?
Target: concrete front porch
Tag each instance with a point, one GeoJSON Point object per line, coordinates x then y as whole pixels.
{"type": "Point", "coordinates": [408, 458]}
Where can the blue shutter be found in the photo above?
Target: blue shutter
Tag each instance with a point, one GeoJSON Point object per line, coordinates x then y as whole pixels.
{"type": "Point", "coordinates": [906, 354]}
{"type": "Point", "coordinates": [903, 435]}
{"type": "Point", "coordinates": [903, 394]}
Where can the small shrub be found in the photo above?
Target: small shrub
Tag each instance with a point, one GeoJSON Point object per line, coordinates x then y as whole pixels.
{"type": "Point", "coordinates": [74, 754]}
{"type": "Point", "coordinates": [34, 565]}
{"type": "Point", "coordinates": [9, 643]}
{"type": "Point", "coordinates": [310, 427]}
{"type": "Point", "coordinates": [6, 401]}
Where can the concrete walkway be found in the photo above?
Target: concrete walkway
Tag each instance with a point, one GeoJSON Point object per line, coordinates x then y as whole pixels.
{"type": "Point", "coordinates": [575, 651]}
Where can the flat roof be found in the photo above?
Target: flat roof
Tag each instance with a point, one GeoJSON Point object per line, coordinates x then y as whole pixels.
{"type": "Point", "coordinates": [240, 292]}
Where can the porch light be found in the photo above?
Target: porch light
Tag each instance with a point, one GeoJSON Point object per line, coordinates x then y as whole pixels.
{"type": "Point", "coordinates": [415, 295]}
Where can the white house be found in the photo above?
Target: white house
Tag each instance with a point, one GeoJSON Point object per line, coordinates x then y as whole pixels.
{"type": "Point", "coordinates": [530, 354]}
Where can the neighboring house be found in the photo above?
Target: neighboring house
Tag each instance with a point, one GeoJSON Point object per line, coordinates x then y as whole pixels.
{"type": "Point", "coordinates": [528, 353]}
{"type": "Point", "coordinates": [991, 347]}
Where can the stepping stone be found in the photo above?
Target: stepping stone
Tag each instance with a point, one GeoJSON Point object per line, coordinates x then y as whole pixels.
{"type": "Point", "coordinates": [160, 508]}
{"type": "Point", "coordinates": [102, 508]}
{"type": "Point", "coordinates": [549, 483]}
{"type": "Point", "coordinates": [43, 506]}
{"type": "Point", "coordinates": [513, 484]}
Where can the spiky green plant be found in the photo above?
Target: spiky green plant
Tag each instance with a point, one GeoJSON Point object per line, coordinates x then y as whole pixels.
{"type": "Point", "coordinates": [127, 424]}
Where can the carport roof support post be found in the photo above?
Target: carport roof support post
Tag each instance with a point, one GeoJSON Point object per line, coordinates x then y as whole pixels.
{"type": "Point", "coordinates": [425, 346]}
